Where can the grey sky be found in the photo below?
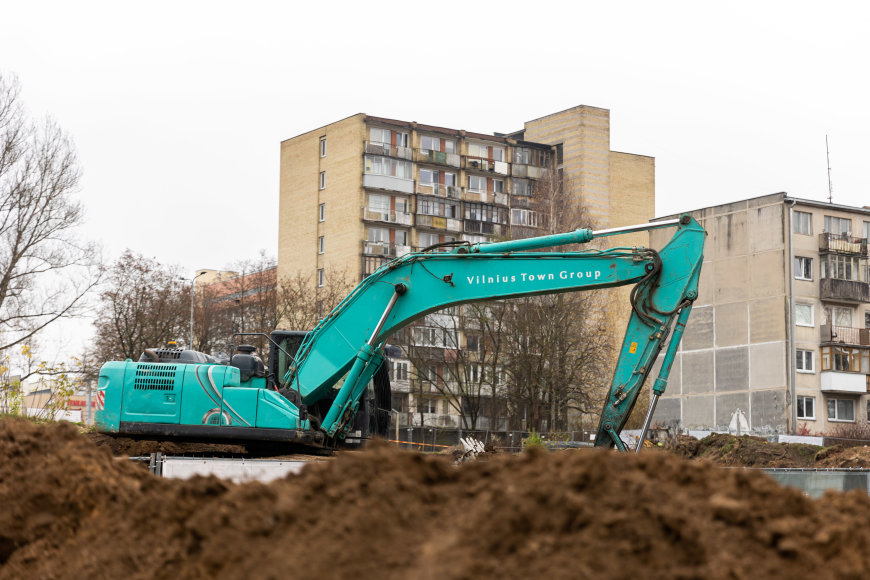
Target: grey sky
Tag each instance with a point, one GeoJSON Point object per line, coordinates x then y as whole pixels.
{"type": "Point", "coordinates": [178, 108]}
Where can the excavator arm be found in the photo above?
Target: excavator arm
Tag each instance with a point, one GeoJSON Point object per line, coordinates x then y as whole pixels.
{"type": "Point", "coordinates": [349, 342]}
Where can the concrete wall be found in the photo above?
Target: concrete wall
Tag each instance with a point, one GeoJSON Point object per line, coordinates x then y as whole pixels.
{"type": "Point", "coordinates": [731, 367]}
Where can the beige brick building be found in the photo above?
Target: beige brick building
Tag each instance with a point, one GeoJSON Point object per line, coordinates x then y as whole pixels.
{"type": "Point", "coordinates": [778, 341]}
{"type": "Point", "coordinates": [363, 190]}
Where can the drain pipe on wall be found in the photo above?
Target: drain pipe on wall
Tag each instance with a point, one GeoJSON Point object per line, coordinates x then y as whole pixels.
{"type": "Point", "coordinates": [791, 345]}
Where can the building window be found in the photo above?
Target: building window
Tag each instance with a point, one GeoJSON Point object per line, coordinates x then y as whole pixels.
{"type": "Point", "coordinates": [839, 316]}
{"type": "Point", "coordinates": [803, 268]}
{"type": "Point", "coordinates": [320, 245]}
{"type": "Point", "coordinates": [806, 408]}
{"type": "Point", "coordinates": [836, 225]}
{"type": "Point", "coordinates": [803, 223]}
{"type": "Point", "coordinates": [322, 212]}
{"type": "Point", "coordinates": [380, 235]}
{"type": "Point", "coordinates": [524, 217]}
{"type": "Point", "coordinates": [376, 165]}
{"type": "Point", "coordinates": [429, 406]}
{"type": "Point", "coordinates": [521, 186]}
{"type": "Point", "coordinates": [322, 179]}
{"type": "Point", "coordinates": [498, 186]}
{"type": "Point", "coordinates": [320, 278]}
{"type": "Point", "coordinates": [845, 359]}
{"type": "Point", "coordinates": [380, 204]}
{"type": "Point", "coordinates": [840, 267]}
{"type": "Point", "coordinates": [323, 147]}
{"type": "Point", "coordinates": [803, 314]}
{"type": "Point", "coordinates": [866, 232]}
{"type": "Point", "coordinates": [430, 144]}
{"type": "Point", "coordinates": [804, 361]}
{"type": "Point", "coordinates": [378, 135]}
{"type": "Point", "coordinates": [436, 208]}
{"type": "Point", "coordinates": [400, 371]}
{"type": "Point", "coordinates": [841, 410]}
{"type": "Point", "coordinates": [477, 183]}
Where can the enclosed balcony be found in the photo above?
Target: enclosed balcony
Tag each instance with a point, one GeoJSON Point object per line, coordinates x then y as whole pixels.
{"type": "Point", "coordinates": [390, 217]}
{"type": "Point", "coordinates": [842, 244]}
{"type": "Point", "coordinates": [844, 278]}
{"type": "Point", "coordinates": [439, 190]}
{"type": "Point", "coordinates": [376, 148]}
{"type": "Point", "coordinates": [532, 171]}
{"type": "Point", "coordinates": [482, 227]}
{"type": "Point", "coordinates": [385, 249]}
{"type": "Point", "coordinates": [844, 369]}
{"type": "Point", "coordinates": [439, 223]}
{"type": "Point", "coordinates": [439, 157]}
{"type": "Point", "coordinates": [485, 164]}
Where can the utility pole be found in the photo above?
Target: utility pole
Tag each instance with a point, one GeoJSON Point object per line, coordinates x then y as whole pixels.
{"type": "Point", "coordinates": [830, 187]}
{"type": "Point", "coordinates": [192, 299]}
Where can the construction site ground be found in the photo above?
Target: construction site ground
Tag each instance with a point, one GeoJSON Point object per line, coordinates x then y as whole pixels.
{"type": "Point", "coordinates": [73, 508]}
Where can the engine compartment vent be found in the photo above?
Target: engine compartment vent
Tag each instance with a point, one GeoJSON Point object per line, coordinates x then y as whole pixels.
{"type": "Point", "coordinates": [154, 377]}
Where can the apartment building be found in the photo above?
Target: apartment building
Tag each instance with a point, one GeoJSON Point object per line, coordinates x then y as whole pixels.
{"type": "Point", "coordinates": [359, 192]}
{"type": "Point", "coordinates": [779, 338]}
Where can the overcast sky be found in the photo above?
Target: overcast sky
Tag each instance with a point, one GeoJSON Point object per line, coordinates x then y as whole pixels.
{"type": "Point", "coordinates": [178, 108]}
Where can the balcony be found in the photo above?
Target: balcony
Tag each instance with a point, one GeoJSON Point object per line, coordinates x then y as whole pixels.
{"type": "Point", "coordinates": [842, 382]}
{"type": "Point", "coordinates": [388, 182]}
{"type": "Point", "coordinates": [842, 244]}
{"type": "Point", "coordinates": [483, 197]}
{"type": "Point", "coordinates": [385, 249]}
{"type": "Point", "coordinates": [438, 190]}
{"type": "Point", "coordinates": [484, 164]}
{"type": "Point", "coordinates": [390, 217]}
{"type": "Point", "coordinates": [848, 291]}
{"type": "Point", "coordinates": [428, 156]}
{"type": "Point", "coordinates": [481, 227]}
{"type": "Point", "coordinates": [439, 223]}
{"type": "Point", "coordinates": [532, 171]}
{"type": "Point", "coordinates": [845, 335]}
{"type": "Point", "coordinates": [375, 148]}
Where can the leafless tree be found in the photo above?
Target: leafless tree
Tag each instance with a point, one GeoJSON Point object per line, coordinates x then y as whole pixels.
{"type": "Point", "coordinates": [300, 303]}
{"type": "Point", "coordinates": [144, 305]}
{"type": "Point", "coordinates": [467, 376]}
{"type": "Point", "coordinates": [244, 303]}
{"type": "Point", "coordinates": [45, 270]}
{"type": "Point", "coordinates": [556, 348]}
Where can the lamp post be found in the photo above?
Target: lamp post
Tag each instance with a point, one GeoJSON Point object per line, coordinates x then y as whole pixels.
{"type": "Point", "coordinates": [192, 298]}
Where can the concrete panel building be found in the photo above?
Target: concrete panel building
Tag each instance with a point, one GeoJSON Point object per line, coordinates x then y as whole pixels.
{"type": "Point", "coordinates": [778, 338]}
{"type": "Point", "coordinates": [363, 190]}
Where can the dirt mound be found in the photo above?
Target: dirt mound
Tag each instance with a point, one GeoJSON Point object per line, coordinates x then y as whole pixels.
{"type": "Point", "coordinates": [839, 456]}
{"type": "Point", "coordinates": [72, 510]}
{"type": "Point", "coordinates": [746, 451]}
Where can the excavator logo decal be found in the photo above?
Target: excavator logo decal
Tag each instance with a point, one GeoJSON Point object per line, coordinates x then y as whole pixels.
{"type": "Point", "coordinates": [216, 397]}
{"type": "Point", "coordinates": [532, 277]}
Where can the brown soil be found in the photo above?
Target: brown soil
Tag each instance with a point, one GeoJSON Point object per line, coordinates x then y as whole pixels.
{"type": "Point", "coordinates": [72, 510]}
{"type": "Point", "coordinates": [748, 451]}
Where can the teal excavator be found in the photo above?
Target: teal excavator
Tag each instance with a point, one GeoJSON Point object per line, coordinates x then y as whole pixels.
{"type": "Point", "coordinates": [325, 385]}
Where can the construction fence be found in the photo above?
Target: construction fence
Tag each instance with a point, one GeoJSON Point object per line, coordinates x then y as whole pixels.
{"type": "Point", "coordinates": [435, 439]}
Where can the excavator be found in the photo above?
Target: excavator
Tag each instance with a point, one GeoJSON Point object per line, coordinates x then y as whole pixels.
{"type": "Point", "coordinates": [324, 386]}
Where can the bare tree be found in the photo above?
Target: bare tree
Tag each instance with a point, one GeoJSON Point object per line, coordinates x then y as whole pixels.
{"type": "Point", "coordinates": [243, 303]}
{"type": "Point", "coordinates": [45, 270]}
{"type": "Point", "coordinates": [467, 376]}
{"type": "Point", "coordinates": [300, 303]}
{"type": "Point", "coordinates": [143, 305]}
{"type": "Point", "coordinates": [556, 348]}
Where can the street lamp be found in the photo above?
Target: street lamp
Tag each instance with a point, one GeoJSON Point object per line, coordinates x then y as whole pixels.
{"type": "Point", "coordinates": [192, 295]}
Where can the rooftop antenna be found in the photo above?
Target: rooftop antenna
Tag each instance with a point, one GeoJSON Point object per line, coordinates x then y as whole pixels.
{"type": "Point", "coordinates": [830, 187]}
